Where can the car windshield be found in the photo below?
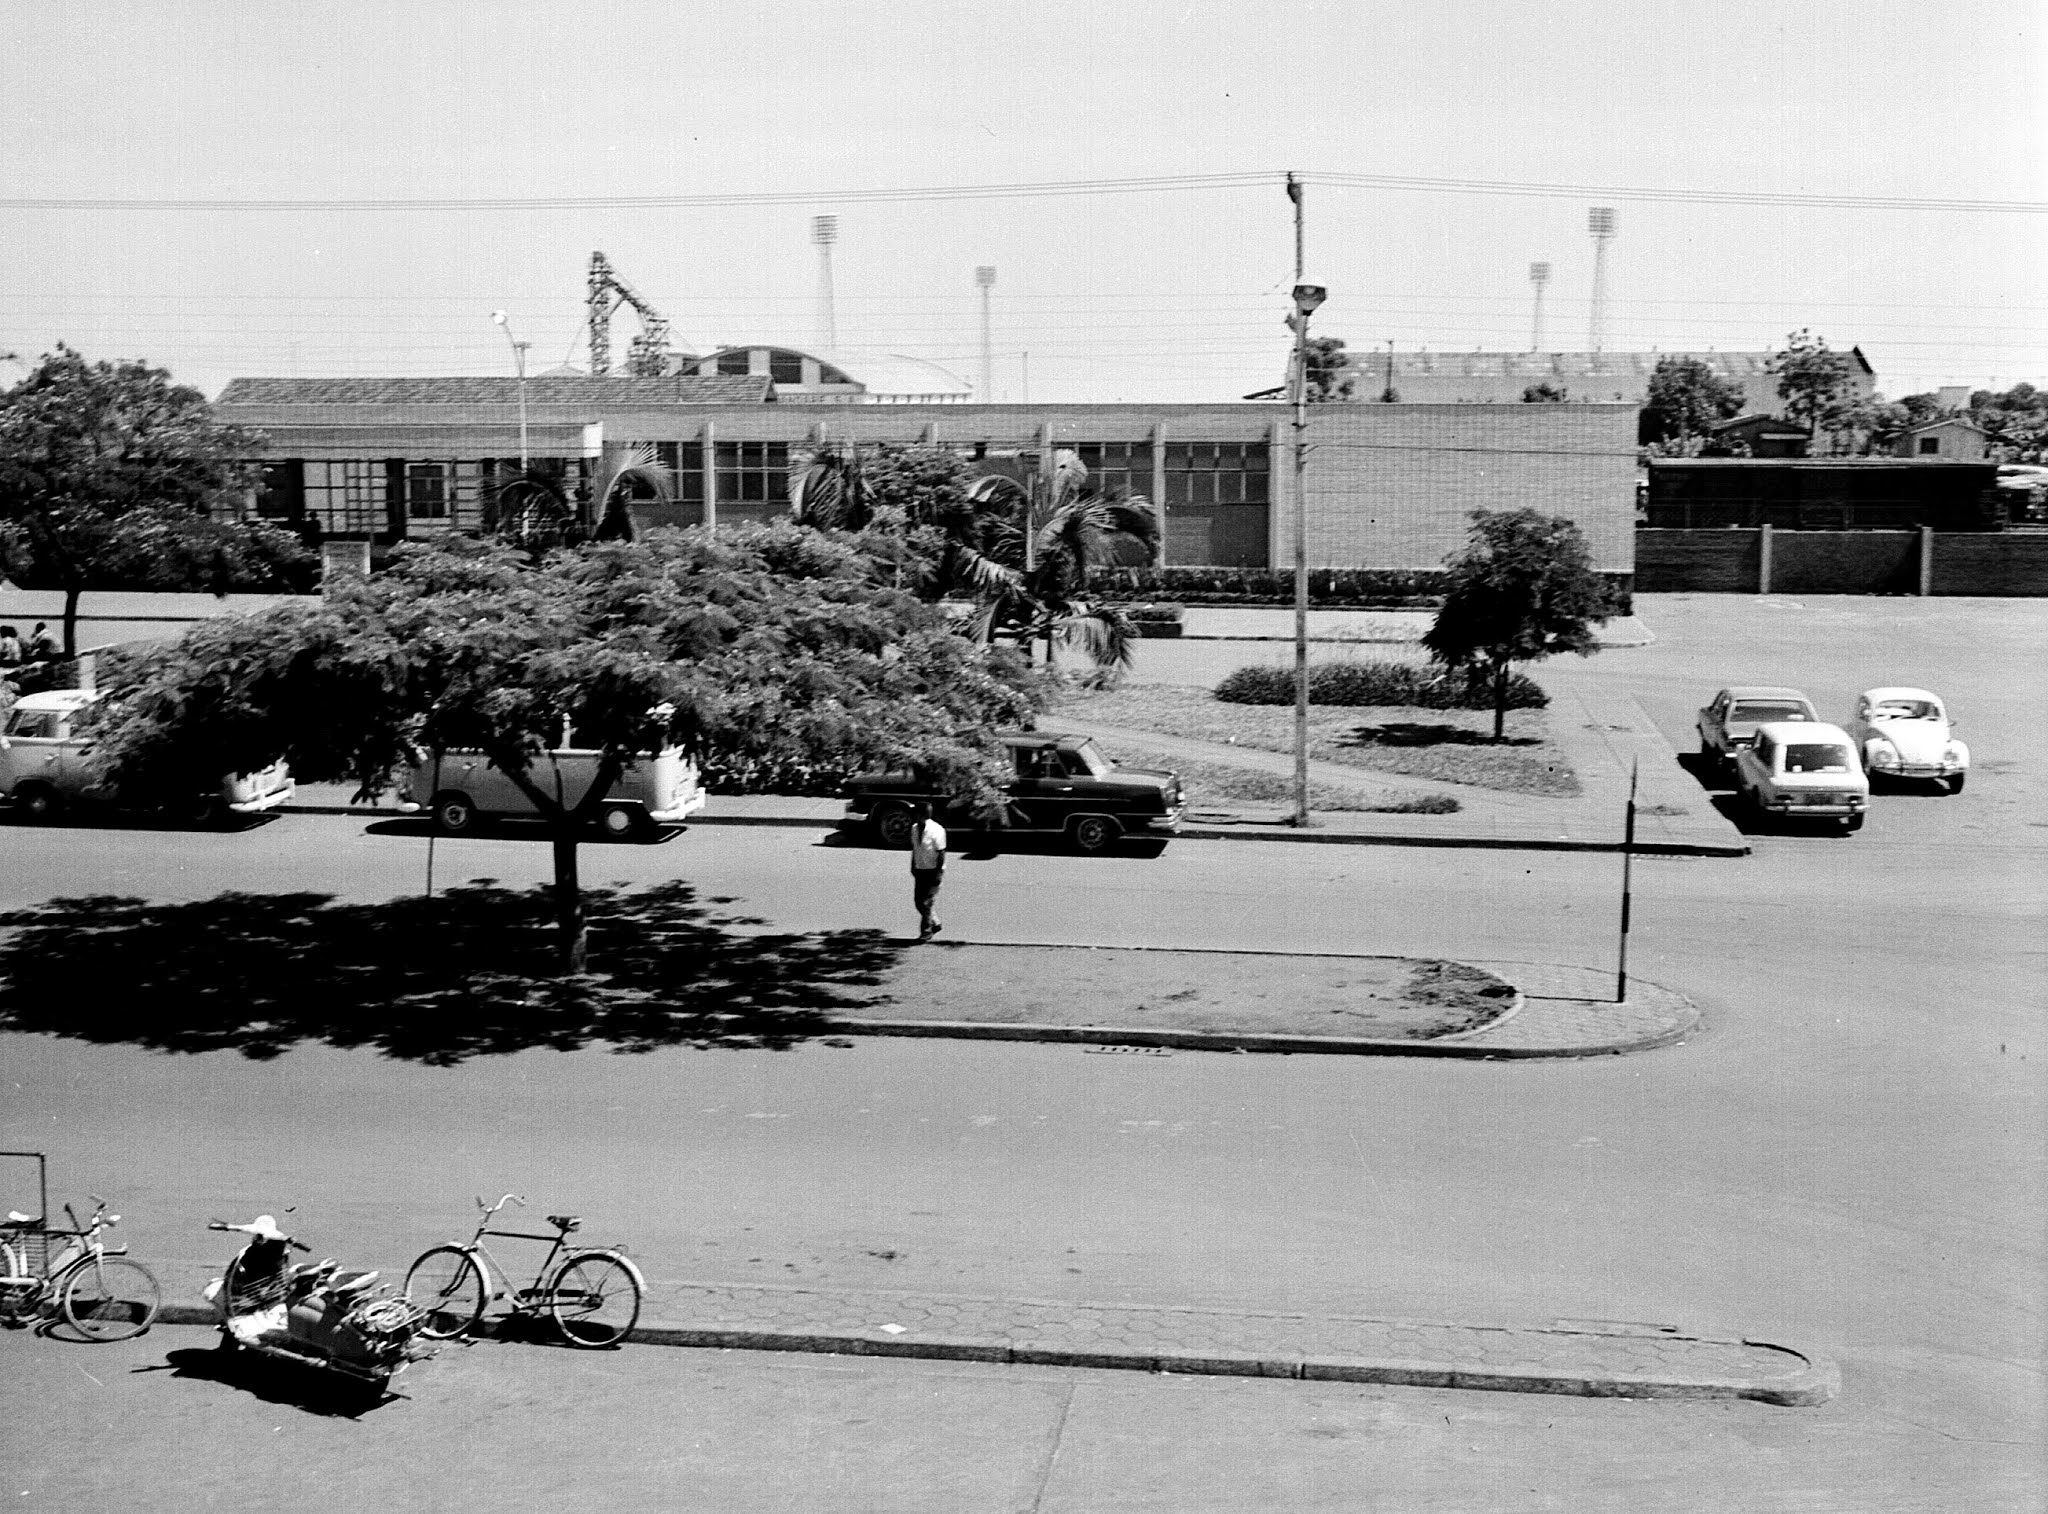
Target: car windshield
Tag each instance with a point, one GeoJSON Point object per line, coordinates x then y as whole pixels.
{"type": "Point", "coordinates": [1096, 765]}
{"type": "Point", "coordinates": [1816, 757]}
{"type": "Point", "coordinates": [1757, 711]}
{"type": "Point", "coordinates": [1906, 709]}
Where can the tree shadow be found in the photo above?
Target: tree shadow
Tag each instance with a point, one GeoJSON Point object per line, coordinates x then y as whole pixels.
{"type": "Point", "coordinates": [468, 972]}
{"type": "Point", "coordinates": [1416, 733]}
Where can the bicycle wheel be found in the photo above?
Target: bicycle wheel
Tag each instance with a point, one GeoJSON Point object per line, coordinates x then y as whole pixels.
{"type": "Point", "coordinates": [111, 1299]}
{"type": "Point", "coordinates": [449, 1285]}
{"type": "Point", "coordinates": [595, 1298]}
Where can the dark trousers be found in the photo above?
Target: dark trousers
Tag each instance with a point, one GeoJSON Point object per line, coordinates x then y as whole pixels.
{"type": "Point", "coordinates": [924, 891]}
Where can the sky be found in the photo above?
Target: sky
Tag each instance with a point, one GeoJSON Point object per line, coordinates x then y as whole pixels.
{"type": "Point", "coordinates": [236, 189]}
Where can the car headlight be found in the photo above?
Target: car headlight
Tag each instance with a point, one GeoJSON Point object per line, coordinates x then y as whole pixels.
{"type": "Point", "coordinates": [1884, 755]}
{"type": "Point", "coordinates": [1951, 754]}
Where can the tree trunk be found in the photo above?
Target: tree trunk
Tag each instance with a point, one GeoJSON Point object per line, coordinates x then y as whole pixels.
{"type": "Point", "coordinates": [1500, 700]}
{"type": "Point", "coordinates": [575, 931]}
{"type": "Point", "coordinates": [71, 620]}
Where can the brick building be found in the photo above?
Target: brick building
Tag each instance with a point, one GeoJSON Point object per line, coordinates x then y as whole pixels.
{"type": "Point", "coordinates": [1387, 486]}
{"type": "Point", "coordinates": [1500, 378]}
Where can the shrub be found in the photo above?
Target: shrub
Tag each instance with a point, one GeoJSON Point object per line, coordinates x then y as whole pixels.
{"type": "Point", "coordinates": [1328, 588]}
{"type": "Point", "coordinates": [1376, 683]}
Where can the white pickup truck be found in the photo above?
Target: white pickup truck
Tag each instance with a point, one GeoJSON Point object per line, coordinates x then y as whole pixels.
{"type": "Point", "coordinates": [464, 787]}
{"type": "Point", "coordinates": [45, 765]}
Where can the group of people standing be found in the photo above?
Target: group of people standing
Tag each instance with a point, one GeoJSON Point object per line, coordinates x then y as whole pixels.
{"type": "Point", "coordinates": [18, 657]}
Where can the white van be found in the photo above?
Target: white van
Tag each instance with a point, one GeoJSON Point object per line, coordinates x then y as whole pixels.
{"type": "Point", "coordinates": [45, 765]}
{"type": "Point", "coordinates": [466, 787]}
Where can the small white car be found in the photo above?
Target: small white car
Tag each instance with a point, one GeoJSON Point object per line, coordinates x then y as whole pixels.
{"type": "Point", "coordinates": [465, 787]}
{"type": "Point", "coordinates": [1803, 769]}
{"type": "Point", "coordinates": [1905, 733]}
{"type": "Point", "coordinates": [45, 765]}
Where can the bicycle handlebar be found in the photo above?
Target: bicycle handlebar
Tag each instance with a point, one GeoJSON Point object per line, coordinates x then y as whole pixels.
{"type": "Point", "coordinates": [491, 1209]}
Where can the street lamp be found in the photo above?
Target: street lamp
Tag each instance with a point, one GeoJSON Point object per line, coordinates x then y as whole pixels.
{"type": "Point", "coordinates": [519, 362]}
{"type": "Point", "coordinates": [1306, 298]}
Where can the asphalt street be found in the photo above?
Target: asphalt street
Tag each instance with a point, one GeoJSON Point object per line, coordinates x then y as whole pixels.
{"type": "Point", "coordinates": [1849, 1154]}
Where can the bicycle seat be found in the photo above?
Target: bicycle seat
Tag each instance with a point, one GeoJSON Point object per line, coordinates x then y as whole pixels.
{"type": "Point", "coordinates": [16, 1218]}
{"type": "Point", "coordinates": [565, 1222]}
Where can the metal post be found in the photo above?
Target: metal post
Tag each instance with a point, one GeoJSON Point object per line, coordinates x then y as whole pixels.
{"type": "Point", "coordinates": [1628, 855]}
{"type": "Point", "coordinates": [1300, 324]}
{"type": "Point", "coordinates": [500, 318]}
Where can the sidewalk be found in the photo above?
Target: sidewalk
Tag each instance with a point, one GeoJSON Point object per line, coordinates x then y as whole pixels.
{"type": "Point", "coordinates": [1389, 627]}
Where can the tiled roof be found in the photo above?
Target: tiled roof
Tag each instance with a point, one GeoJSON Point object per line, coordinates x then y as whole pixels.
{"type": "Point", "coordinates": [579, 389]}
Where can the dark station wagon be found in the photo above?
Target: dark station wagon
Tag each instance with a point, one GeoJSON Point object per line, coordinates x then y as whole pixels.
{"type": "Point", "coordinates": [1064, 785]}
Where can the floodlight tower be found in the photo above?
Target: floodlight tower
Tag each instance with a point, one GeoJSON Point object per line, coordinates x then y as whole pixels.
{"type": "Point", "coordinates": [824, 232]}
{"type": "Point", "coordinates": [1600, 222]}
{"type": "Point", "coordinates": [985, 280]}
{"type": "Point", "coordinates": [1539, 275]}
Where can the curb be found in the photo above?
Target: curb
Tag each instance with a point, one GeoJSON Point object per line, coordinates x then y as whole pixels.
{"type": "Point", "coordinates": [1818, 1382]}
{"type": "Point", "coordinates": [1202, 833]}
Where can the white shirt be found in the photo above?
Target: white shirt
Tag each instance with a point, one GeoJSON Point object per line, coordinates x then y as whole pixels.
{"type": "Point", "coordinates": [927, 845]}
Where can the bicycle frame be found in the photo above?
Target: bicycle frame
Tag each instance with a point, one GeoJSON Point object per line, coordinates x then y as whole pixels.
{"type": "Point", "coordinates": [497, 1280]}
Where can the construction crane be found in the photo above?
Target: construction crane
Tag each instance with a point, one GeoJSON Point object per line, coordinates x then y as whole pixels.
{"type": "Point", "coordinates": [647, 355]}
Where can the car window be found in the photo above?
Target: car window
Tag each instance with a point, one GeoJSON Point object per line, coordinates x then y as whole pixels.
{"type": "Point", "coordinates": [34, 724]}
{"type": "Point", "coordinates": [1907, 709]}
{"type": "Point", "coordinates": [1087, 761]}
{"type": "Point", "coordinates": [1816, 757]}
{"type": "Point", "coordinates": [1760, 710]}
{"type": "Point", "coordinates": [1764, 748]}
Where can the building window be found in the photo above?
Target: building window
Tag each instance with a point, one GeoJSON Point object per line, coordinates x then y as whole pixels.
{"type": "Point", "coordinates": [1118, 467]}
{"type": "Point", "coordinates": [346, 498]}
{"type": "Point", "coordinates": [426, 491]}
{"type": "Point", "coordinates": [1929, 444]}
{"type": "Point", "coordinates": [1201, 474]}
{"type": "Point", "coordinates": [785, 367]}
{"type": "Point", "coordinates": [281, 494]}
{"type": "Point", "coordinates": [753, 479]}
{"type": "Point", "coordinates": [733, 364]}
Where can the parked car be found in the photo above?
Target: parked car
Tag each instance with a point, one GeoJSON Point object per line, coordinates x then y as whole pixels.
{"type": "Point", "coordinates": [1803, 769]}
{"type": "Point", "coordinates": [46, 764]}
{"type": "Point", "coordinates": [1906, 733]}
{"type": "Point", "coordinates": [465, 787]}
{"type": "Point", "coordinates": [1064, 785]}
{"type": "Point", "coordinates": [1729, 721]}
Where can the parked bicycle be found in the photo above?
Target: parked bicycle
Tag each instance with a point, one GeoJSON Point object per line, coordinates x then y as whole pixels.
{"type": "Point", "coordinates": [97, 1289]}
{"type": "Point", "coordinates": [592, 1293]}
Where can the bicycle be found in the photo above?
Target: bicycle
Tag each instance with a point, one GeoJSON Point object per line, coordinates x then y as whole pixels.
{"type": "Point", "coordinates": [100, 1291]}
{"type": "Point", "coordinates": [593, 1294]}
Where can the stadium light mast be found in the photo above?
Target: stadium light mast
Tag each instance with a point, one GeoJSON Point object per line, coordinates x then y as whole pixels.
{"type": "Point", "coordinates": [985, 281]}
{"type": "Point", "coordinates": [1600, 222]}
{"type": "Point", "coordinates": [1539, 275]}
{"type": "Point", "coordinates": [824, 232]}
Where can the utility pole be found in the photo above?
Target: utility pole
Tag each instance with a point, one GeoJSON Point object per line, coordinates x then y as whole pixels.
{"type": "Point", "coordinates": [1307, 297]}
{"type": "Point", "coordinates": [1628, 856]}
{"type": "Point", "coordinates": [519, 362]}
{"type": "Point", "coordinates": [985, 281]}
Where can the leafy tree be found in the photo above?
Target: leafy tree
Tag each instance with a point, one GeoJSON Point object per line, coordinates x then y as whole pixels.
{"type": "Point", "coordinates": [1329, 376]}
{"type": "Point", "coordinates": [1685, 398]}
{"type": "Point", "coordinates": [1545, 393]}
{"type": "Point", "coordinates": [1523, 589]}
{"type": "Point", "coordinates": [752, 648]}
{"type": "Point", "coordinates": [109, 474]}
{"type": "Point", "coordinates": [1813, 381]}
{"type": "Point", "coordinates": [2015, 422]}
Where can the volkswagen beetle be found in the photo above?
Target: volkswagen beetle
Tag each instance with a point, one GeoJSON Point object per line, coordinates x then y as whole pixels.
{"type": "Point", "coordinates": [1905, 733]}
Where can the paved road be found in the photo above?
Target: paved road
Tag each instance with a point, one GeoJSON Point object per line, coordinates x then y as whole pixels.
{"type": "Point", "coordinates": [1850, 1156]}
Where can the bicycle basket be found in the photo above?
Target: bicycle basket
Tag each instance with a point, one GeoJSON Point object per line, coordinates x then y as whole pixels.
{"type": "Point", "coordinates": [33, 1248]}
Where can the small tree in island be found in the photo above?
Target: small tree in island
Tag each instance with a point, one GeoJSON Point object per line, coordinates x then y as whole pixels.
{"type": "Point", "coordinates": [1522, 590]}
{"type": "Point", "coordinates": [110, 477]}
{"type": "Point", "coordinates": [772, 646]}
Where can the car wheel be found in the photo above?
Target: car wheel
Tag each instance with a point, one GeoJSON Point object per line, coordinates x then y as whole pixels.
{"type": "Point", "coordinates": [1955, 784]}
{"type": "Point", "coordinates": [206, 811]}
{"type": "Point", "coordinates": [1093, 833]}
{"type": "Point", "coordinates": [623, 821]}
{"type": "Point", "coordinates": [892, 824]}
{"type": "Point", "coordinates": [454, 815]}
{"type": "Point", "coordinates": [38, 803]}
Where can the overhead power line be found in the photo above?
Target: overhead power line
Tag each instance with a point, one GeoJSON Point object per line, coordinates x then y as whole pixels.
{"type": "Point", "coordinates": [1172, 183]}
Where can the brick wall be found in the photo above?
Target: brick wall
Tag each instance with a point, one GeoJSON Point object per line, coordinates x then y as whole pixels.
{"type": "Point", "coordinates": [1697, 562]}
{"type": "Point", "coordinates": [2009, 564]}
{"type": "Point", "coordinates": [1393, 486]}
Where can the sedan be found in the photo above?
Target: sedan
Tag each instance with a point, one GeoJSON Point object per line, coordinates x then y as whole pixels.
{"type": "Point", "coordinates": [1729, 721]}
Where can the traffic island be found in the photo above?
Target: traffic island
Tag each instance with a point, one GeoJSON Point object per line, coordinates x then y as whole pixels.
{"type": "Point", "coordinates": [1303, 1002]}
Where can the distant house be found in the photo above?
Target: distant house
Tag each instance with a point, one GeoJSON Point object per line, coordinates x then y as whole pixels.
{"type": "Point", "coordinates": [1764, 435]}
{"type": "Point", "coordinates": [1952, 439]}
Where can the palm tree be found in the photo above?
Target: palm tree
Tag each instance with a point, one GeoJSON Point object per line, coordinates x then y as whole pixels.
{"type": "Point", "coordinates": [910, 505]}
{"type": "Point", "coordinates": [1066, 527]}
{"type": "Point", "coordinates": [628, 474]}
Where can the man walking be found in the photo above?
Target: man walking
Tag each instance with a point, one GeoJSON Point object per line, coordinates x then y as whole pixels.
{"type": "Point", "coordinates": [927, 867]}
